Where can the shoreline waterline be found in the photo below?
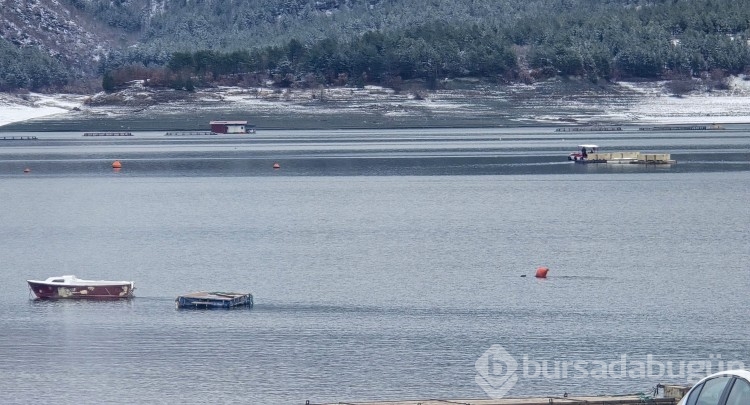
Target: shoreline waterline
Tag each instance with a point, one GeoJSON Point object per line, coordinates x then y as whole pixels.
{"type": "Point", "coordinates": [556, 103]}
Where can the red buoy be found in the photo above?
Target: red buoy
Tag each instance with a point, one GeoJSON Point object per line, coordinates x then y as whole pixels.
{"type": "Point", "coordinates": [541, 272]}
{"type": "Point", "coordinates": [116, 164]}
{"type": "Point", "coordinates": [276, 166]}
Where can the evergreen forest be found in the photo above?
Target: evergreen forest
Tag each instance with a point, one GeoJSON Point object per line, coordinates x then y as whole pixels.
{"type": "Point", "coordinates": [184, 44]}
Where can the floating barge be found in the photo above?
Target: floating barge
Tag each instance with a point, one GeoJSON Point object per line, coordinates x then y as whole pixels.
{"type": "Point", "coordinates": [19, 138]}
{"type": "Point", "coordinates": [629, 158]}
{"type": "Point", "coordinates": [590, 154]}
{"type": "Point", "coordinates": [210, 300]}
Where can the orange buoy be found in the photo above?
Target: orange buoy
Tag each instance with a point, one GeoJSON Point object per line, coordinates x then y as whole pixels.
{"type": "Point", "coordinates": [541, 272]}
{"type": "Point", "coordinates": [276, 166]}
{"type": "Point", "coordinates": [116, 164]}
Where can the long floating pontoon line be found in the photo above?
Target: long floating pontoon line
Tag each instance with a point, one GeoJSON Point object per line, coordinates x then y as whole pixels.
{"type": "Point", "coordinates": [107, 134]}
{"type": "Point", "coordinates": [190, 133]}
{"type": "Point", "coordinates": [19, 138]}
{"type": "Point", "coordinates": [683, 128]}
{"type": "Point", "coordinates": [588, 129]}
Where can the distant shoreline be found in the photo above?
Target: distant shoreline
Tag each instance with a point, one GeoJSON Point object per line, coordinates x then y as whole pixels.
{"type": "Point", "coordinates": [555, 103]}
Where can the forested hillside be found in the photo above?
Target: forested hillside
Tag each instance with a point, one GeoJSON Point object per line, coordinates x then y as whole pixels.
{"type": "Point", "coordinates": [187, 43]}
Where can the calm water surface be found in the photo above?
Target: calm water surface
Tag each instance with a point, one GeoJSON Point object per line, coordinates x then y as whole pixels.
{"type": "Point", "coordinates": [383, 264]}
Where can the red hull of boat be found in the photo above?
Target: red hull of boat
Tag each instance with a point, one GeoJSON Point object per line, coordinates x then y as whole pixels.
{"type": "Point", "coordinates": [47, 291]}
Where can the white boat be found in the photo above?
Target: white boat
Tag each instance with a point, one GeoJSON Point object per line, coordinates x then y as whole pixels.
{"type": "Point", "coordinates": [70, 286]}
{"type": "Point", "coordinates": [582, 153]}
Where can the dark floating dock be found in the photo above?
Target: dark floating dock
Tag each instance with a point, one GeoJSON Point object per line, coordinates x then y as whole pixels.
{"type": "Point", "coordinates": [210, 300]}
{"type": "Point", "coordinates": [107, 134]}
{"type": "Point", "coordinates": [190, 133]}
{"type": "Point", "coordinates": [683, 128]}
{"type": "Point", "coordinates": [596, 128]}
{"type": "Point", "coordinates": [19, 138]}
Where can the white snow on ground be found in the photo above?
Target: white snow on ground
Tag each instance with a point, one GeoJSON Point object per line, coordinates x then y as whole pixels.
{"type": "Point", "coordinates": [694, 109]}
{"type": "Point", "coordinates": [718, 106]}
{"type": "Point", "coordinates": [14, 108]}
{"type": "Point", "coordinates": [648, 103]}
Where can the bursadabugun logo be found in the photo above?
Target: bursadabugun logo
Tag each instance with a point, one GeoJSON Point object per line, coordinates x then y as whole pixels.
{"type": "Point", "coordinates": [496, 371]}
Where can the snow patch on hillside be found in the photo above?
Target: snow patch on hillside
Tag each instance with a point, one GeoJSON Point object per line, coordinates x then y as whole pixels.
{"type": "Point", "coordinates": [627, 102]}
{"type": "Point", "coordinates": [15, 108]}
{"type": "Point", "coordinates": [731, 105]}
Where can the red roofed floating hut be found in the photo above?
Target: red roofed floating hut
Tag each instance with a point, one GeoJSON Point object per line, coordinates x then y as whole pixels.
{"type": "Point", "coordinates": [232, 127]}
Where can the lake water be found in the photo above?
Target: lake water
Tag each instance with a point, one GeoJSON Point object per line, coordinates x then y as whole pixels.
{"type": "Point", "coordinates": [383, 263]}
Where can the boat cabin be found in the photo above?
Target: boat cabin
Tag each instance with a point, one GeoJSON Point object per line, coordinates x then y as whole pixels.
{"type": "Point", "coordinates": [61, 279]}
{"type": "Point", "coordinates": [583, 152]}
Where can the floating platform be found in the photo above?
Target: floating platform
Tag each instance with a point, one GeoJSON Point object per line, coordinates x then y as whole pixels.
{"type": "Point", "coordinates": [655, 159]}
{"type": "Point", "coordinates": [629, 158]}
{"type": "Point", "coordinates": [107, 134]}
{"type": "Point", "coordinates": [569, 400]}
{"type": "Point", "coordinates": [19, 138]}
{"type": "Point", "coordinates": [210, 300]}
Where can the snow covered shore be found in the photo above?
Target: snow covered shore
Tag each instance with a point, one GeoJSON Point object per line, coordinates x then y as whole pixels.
{"type": "Point", "coordinates": [15, 108]}
{"type": "Point", "coordinates": [718, 106]}
{"type": "Point", "coordinates": [624, 102]}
